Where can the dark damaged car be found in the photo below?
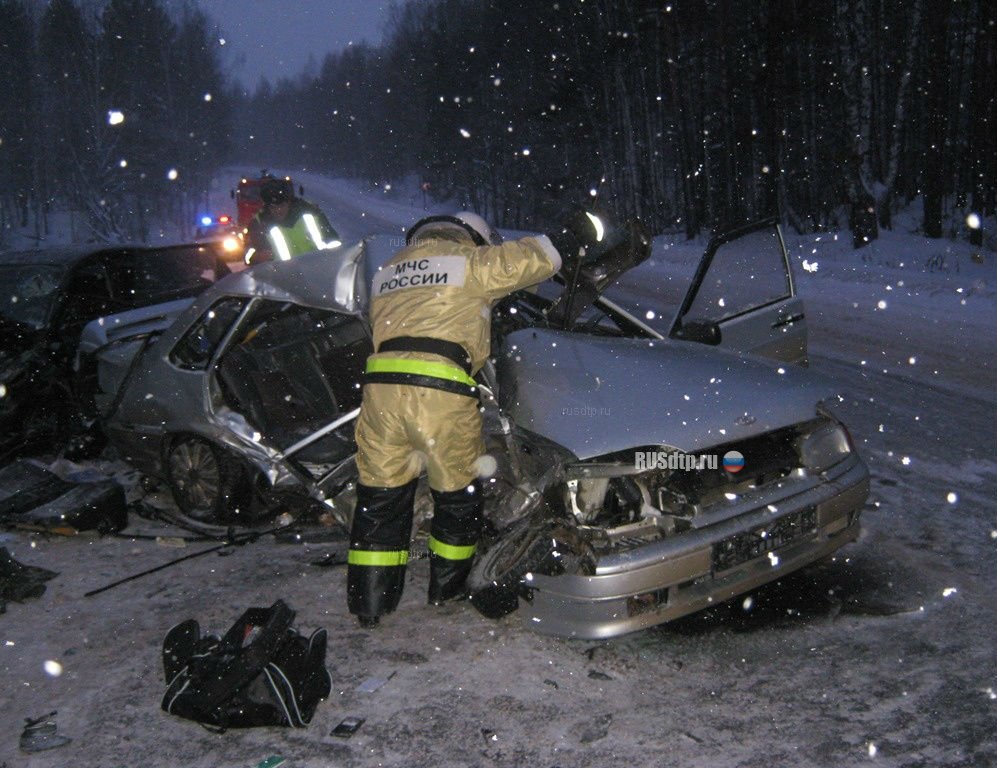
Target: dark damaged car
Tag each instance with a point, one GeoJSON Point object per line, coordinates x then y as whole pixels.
{"type": "Point", "coordinates": [638, 476]}
{"type": "Point", "coordinates": [48, 295]}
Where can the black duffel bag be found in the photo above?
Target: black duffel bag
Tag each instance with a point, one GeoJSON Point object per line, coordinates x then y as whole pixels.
{"type": "Point", "coordinates": [261, 672]}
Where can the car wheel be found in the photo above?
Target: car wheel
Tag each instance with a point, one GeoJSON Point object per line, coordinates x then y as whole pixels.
{"type": "Point", "coordinates": [207, 482]}
{"type": "Point", "coordinates": [494, 581]}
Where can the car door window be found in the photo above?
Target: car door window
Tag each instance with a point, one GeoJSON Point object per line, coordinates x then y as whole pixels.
{"type": "Point", "coordinates": [28, 294]}
{"type": "Point", "coordinates": [195, 349]}
{"type": "Point", "coordinates": [744, 274]}
{"type": "Point", "coordinates": [295, 369]}
{"type": "Point", "coordinates": [162, 274]}
{"type": "Point", "coordinates": [88, 296]}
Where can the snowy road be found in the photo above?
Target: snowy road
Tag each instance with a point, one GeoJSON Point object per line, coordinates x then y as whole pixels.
{"type": "Point", "coordinates": [884, 656]}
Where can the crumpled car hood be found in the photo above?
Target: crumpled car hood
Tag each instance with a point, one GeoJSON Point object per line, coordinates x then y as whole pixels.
{"type": "Point", "coordinates": [328, 279]}
{"type": "Point", "coordinates": [596, 396]}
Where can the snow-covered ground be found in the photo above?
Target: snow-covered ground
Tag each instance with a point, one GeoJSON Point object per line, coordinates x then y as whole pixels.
{"type": "Point", "coordinates": [884, 656]}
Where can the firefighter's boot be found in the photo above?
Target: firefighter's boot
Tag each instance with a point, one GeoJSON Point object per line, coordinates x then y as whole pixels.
{"type": "Point", "coordinates": [379, 543]}
{"type": "Point", "coordinates": [456, 526]}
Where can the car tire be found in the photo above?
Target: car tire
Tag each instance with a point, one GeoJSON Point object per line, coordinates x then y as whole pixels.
{"type": "Point", "coordinates": [494, 583]}
{"type": "Point", "coordinates": [207, 482]}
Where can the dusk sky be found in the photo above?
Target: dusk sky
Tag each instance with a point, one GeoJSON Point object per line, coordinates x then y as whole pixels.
{"type": "Point", "coordinates": [275, 38]}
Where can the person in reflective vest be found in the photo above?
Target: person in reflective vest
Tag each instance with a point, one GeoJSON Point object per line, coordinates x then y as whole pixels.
{"type": "Point", "coordinates": [430, 315]}
{"type": "Point", "coordinates": [287, 226]}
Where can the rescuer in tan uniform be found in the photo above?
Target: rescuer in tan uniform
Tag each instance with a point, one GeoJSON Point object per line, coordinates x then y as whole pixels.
{"type": "Point", "coordinates": [430, 314]}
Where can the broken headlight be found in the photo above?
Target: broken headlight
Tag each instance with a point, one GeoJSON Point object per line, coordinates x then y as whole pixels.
{"type": "Point", "coordinates": [824, 447]}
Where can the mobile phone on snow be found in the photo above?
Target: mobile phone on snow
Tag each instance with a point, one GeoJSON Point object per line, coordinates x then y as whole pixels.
{"type": "Point", "coordinates": [348, 727]}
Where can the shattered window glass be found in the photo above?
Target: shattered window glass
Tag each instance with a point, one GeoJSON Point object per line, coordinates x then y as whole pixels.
{"type": "Point", "coordinates": [294, 370]}
{"type": "Point", "coordinates": [28, 294]}
{"type": "Point", "coordinates": [193, 352]}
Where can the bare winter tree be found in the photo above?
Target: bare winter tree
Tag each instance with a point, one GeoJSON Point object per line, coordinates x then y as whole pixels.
{"type": "Point", "coordinates": [81, 144]}
{"type": "Point", "coordinates": [691, 115]}
{"type": "Point", "coordinates": [17, 97]}
{"type": "Point", "coordinates": [875, 92]}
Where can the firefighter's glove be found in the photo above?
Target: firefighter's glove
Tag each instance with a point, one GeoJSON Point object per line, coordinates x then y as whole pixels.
{"type": "Point", "coordinates": [576, 239]}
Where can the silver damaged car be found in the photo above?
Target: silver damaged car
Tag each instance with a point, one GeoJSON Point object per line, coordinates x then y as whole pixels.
{"type": "Point", "coordinates": [635, 474]}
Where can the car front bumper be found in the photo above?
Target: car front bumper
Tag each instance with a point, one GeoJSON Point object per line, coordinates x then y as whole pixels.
{"type": "Point", "coordinates": [665, 579]}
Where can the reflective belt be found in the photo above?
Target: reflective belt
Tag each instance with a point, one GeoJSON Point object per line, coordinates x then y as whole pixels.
{"type": "Point", "coordinates": [420, 373]}
{"type": "Point", "coordinates": [448, 349]}
{"type": "Point", "coordinates": [451, 551]}
{"type": "Point", "coordinates": [420, 368]}
{"type": "Point", "coordinates": [371, 557]}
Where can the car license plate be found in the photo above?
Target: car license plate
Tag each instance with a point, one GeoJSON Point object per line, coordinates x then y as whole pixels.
{"type": "Point", "coordinates": [742, 547]}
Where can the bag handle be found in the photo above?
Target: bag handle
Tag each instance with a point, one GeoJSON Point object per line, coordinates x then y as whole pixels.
{"type": "Point", "coordinates": [246, 663]}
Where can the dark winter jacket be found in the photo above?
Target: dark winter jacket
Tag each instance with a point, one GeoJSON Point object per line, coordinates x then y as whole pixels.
{"type": "Point", "coordinates": [304, 229]}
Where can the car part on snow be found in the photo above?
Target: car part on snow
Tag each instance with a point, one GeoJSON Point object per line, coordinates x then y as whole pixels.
{"type": "Point", "coordinates": [233, 540]}
{"type": "Point", "coordinates": [208, 483]}
{"type": "Point", "coordinates": [32, 497]}
{"type": "Point", "coordinates": [272, 762]}
{"type": "Point", "coordinates": [40, 734]}
{"type": "Point", "coordinates": [19, 582]}
{"type": "Point", "coordinates": [496, 578]}
{"type": "Point", "coordinates": [261, 672]}
{"type": "Point", "coordinates": [347, 727]}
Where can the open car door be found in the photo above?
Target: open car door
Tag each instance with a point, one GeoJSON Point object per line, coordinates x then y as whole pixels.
{"type": "Point", "coordinates": [743, 297]}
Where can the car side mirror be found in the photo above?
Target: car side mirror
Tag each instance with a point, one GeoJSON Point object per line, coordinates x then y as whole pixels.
{"type": "Point", "coordinates": [701, 331]}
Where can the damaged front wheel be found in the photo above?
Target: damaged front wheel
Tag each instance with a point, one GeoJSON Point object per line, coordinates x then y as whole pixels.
{"type": "Point", "coordinates": [529, 546]}
{"type": "Point", "coordinates": [208, 483]}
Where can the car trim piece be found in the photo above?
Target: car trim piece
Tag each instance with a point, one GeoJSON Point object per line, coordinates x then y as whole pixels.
{"type": "Point", "coordinates": [331, 427]}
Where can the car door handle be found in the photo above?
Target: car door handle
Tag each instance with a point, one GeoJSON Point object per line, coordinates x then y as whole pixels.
{"type": "Point", "coordinates": [787, 320]}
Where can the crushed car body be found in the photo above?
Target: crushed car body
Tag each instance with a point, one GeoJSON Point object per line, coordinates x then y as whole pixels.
{"type": "Point", "coordinates": [639, 474]}
{"type": "Point", "coordinates": [47, 296]}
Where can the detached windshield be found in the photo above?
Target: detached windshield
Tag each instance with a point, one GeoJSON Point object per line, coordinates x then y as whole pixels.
{"type": "Point", "coordinates": [28, 293]}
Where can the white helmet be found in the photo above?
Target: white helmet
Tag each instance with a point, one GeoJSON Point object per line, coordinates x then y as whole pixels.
{"type": "Point", "coordinates": [481, 232]}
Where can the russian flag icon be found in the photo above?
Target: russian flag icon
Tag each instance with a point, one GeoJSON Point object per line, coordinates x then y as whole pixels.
{"type": "Point", "coordinates": [733, 461]}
